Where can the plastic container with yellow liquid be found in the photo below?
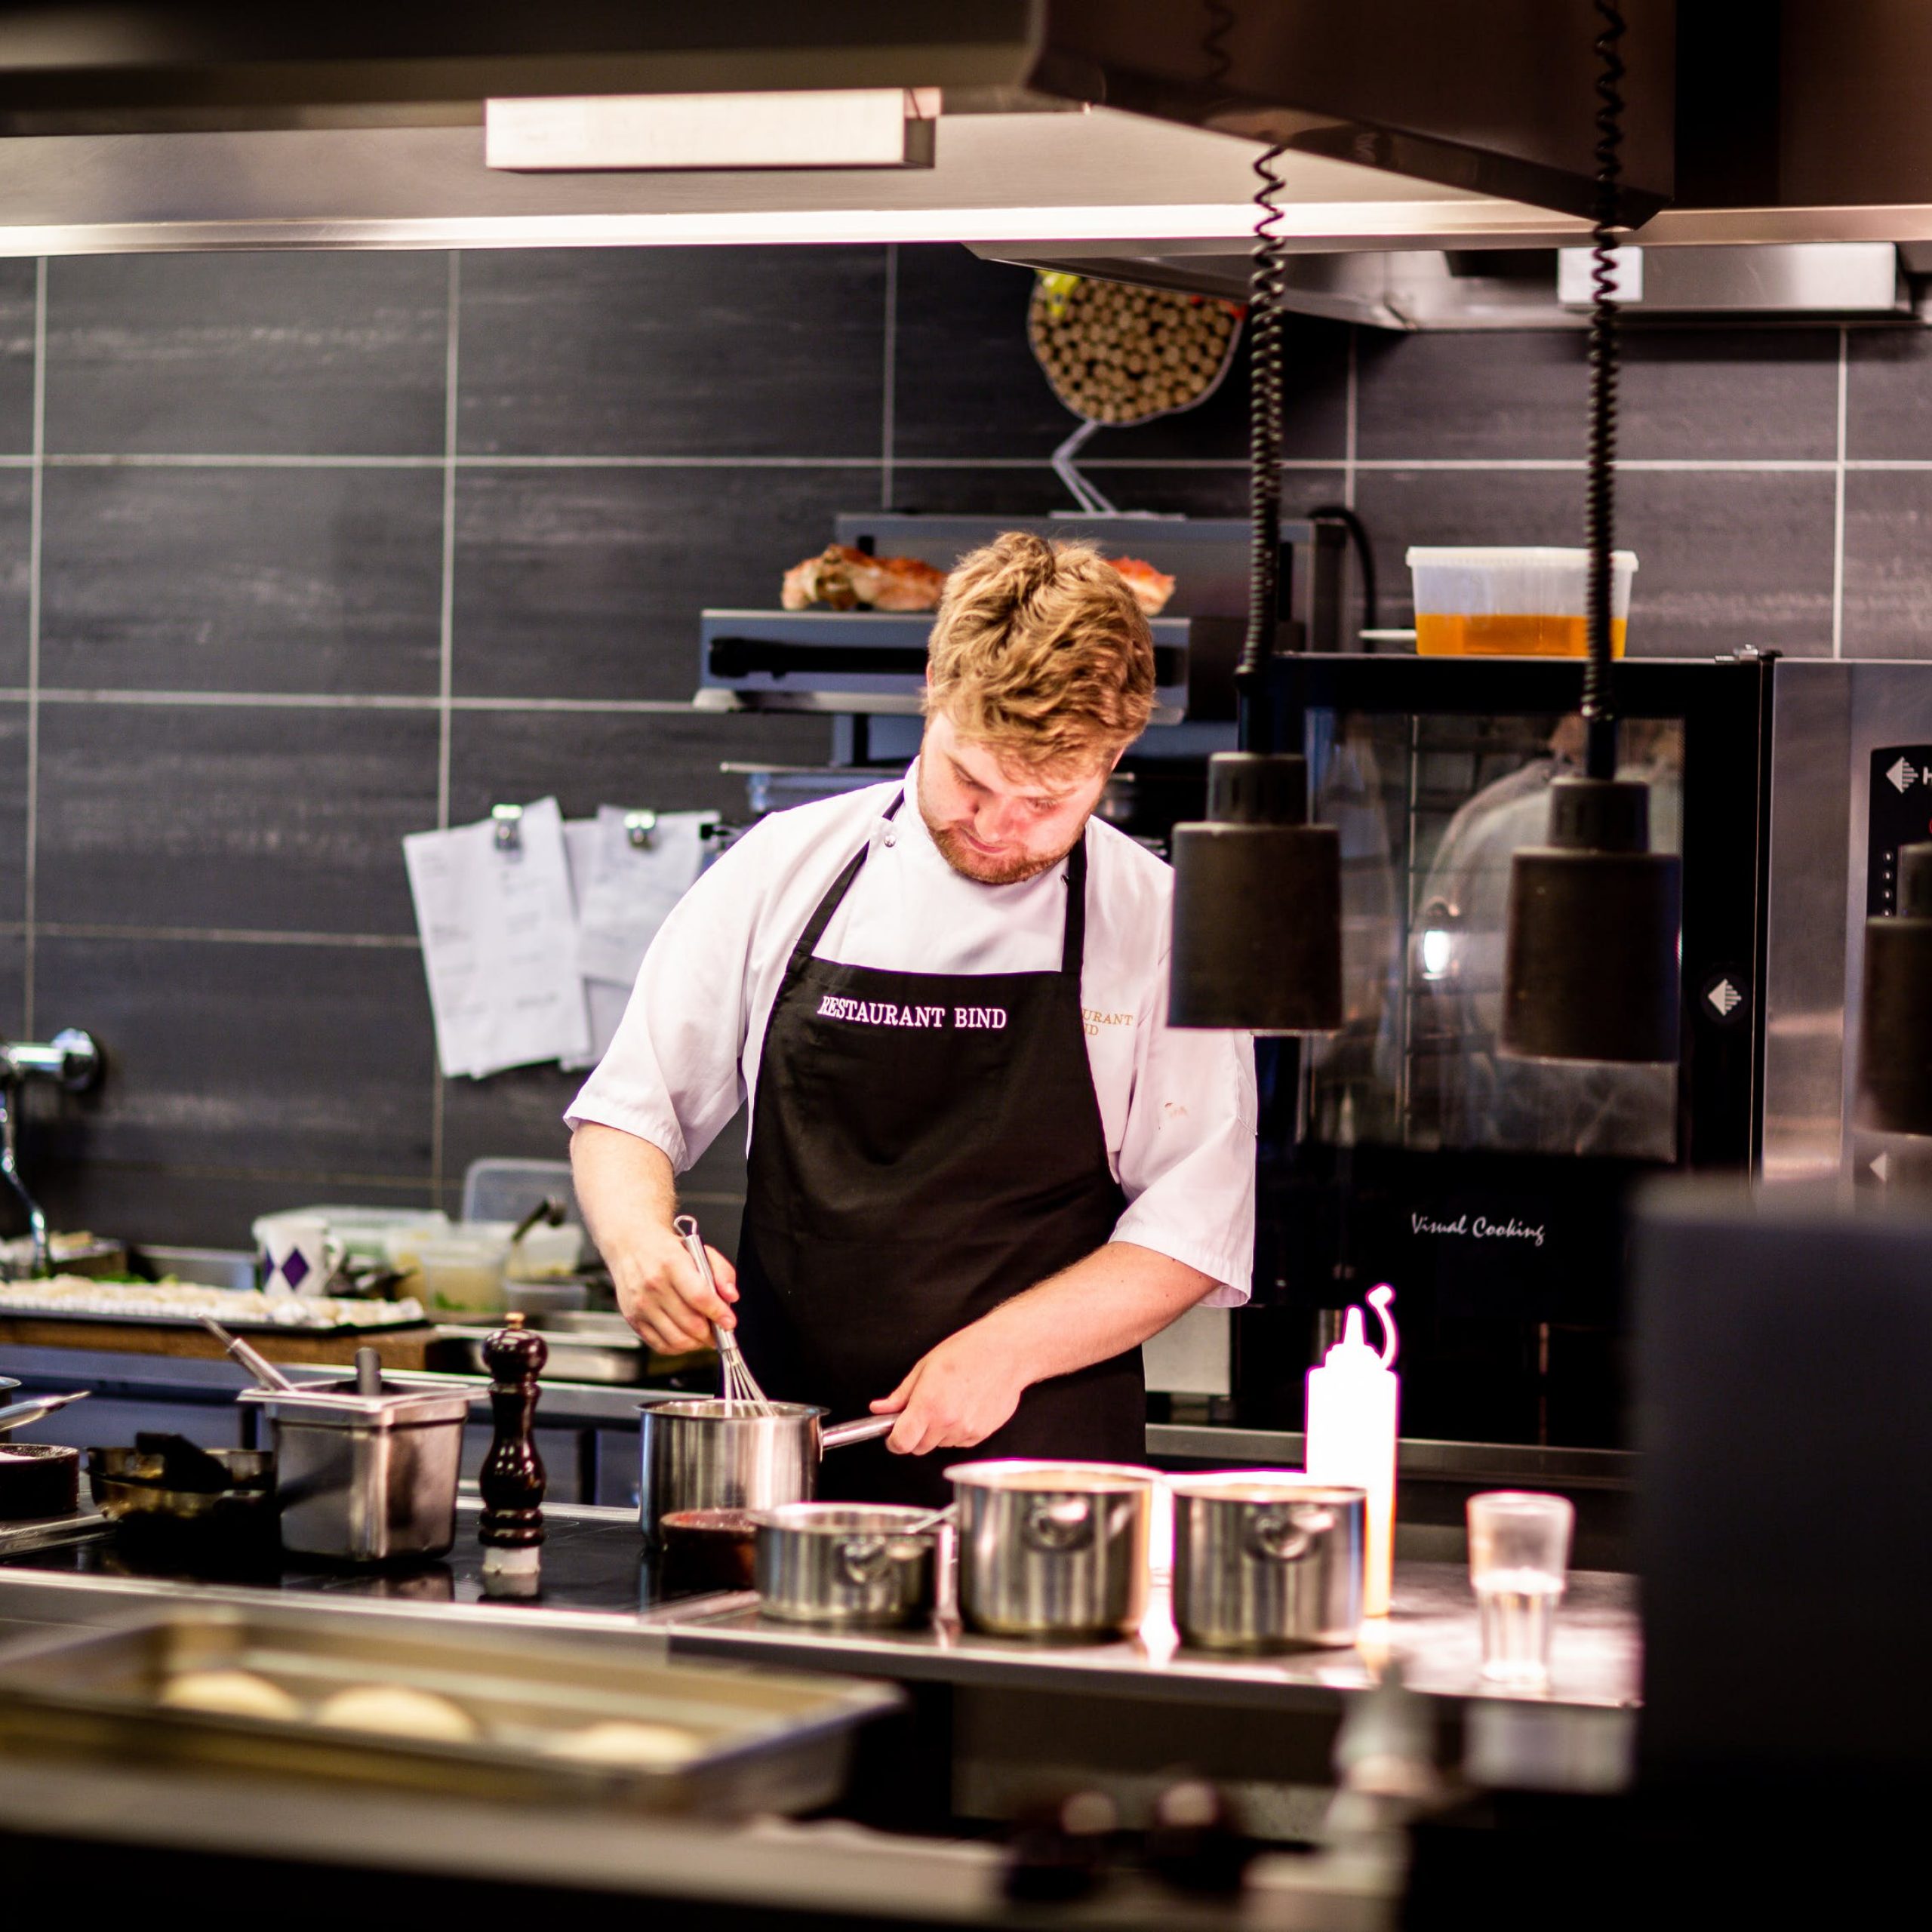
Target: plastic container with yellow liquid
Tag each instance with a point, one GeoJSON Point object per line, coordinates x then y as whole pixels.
{"type": "Point", "coordinates": [1512, 601]}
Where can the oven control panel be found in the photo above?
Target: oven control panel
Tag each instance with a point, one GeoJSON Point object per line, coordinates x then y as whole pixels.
{"type": "Point", "coordinates": [1901, 814]}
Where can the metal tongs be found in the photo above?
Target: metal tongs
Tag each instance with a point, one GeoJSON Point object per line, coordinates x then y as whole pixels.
{"type": "Point", "coordinates": [735, 1382]}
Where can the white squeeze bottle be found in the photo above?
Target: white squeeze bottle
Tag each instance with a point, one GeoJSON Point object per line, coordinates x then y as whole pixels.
{"type": "Point", "coordinates": [1353, 1400]}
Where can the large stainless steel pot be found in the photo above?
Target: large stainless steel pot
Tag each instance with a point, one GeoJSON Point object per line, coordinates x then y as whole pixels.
{"type": "Point", "coordinates": [701, 1452]}
{"type": "Point", "coordinates": [1264, 1559]}
{"type": "Point", "coordinates": [846, 1565]}
{"type": "Point", "coordinates": [1053, 1549]}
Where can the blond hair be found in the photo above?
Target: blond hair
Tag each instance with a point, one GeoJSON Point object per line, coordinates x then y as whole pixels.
{"type": "Point", "coordinates": [1041, 652]}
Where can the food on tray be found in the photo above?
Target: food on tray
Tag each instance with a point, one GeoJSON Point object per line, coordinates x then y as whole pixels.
{"type": "Point", "coordinates": [188, 1301]}
{"type": "Point", "coordinates": [397, 1710]}
{"type": "Point", "coordinates": [626, 1744]}
{"type": "Point", "coordinates": [235, 1693]}
{"type": "Point", "coordinates": [1152, 588]}
{"type": "Point", "coordinates": [844, 578]}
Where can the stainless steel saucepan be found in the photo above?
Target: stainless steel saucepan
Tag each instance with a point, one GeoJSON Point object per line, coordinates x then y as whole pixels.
{"type": "Point", "coordinates": [701, 1452]}
{"type": "Point", "coordinates": [1265, 1559]}
{"type": "Point", "coordinates": [1053, 1549]}
{"type": "Point", "coordinates": [828, 1563]}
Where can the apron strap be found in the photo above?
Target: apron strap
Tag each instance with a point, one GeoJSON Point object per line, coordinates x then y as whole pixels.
{"type": "Point", "coordinates": [1073, 947]}
{"type": "Point", "coordinates": [821, 917]}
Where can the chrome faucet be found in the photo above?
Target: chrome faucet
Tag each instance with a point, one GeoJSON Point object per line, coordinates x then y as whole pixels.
{"type": "Point", "coordinates": [71, 1058]}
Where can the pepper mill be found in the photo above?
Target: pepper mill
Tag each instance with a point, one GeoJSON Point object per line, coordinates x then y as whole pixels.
{"type": "Point", "coordinates": [512, 1478]}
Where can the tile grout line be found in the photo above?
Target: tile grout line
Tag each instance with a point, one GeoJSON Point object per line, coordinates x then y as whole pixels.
{"type": "Point", "coordinates": [446, 657]}
{"type": "Point", "coordinates": [30, 895]}
{"type": "Point", "coordinates": [1775, 465]}
{"type": "Point", "coordinates": [1838, 500]}
{"type": "Point", "coordinates": [223, 936]}
{"type": "Point", "coordinates": [889, 389]}
{"type": "Point", "coordinates": [357, 701]}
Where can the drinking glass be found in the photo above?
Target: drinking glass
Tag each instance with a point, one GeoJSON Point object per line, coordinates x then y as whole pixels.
{"type": "Point", "coordinates": [1519, 1549]}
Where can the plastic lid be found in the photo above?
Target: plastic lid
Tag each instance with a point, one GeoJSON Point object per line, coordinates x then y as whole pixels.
{"type": "Point", "coordinates": [1506, 555]}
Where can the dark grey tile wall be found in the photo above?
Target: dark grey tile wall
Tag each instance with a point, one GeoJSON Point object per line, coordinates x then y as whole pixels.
{"type": "Point", "coordinates": [585, 583]}
{"type": "Point", "coordinates": [273, 592]}
{"type": "Point", "coordinates": [295, 354]}
{"type": "Point", "coordinates": [252, 579]}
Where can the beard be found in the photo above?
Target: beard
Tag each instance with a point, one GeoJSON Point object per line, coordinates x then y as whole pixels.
{"type": "Point", "coordinates": [982, 870]}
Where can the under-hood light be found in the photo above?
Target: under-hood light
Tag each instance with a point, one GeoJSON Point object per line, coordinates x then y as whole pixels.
{"type": "Point", "coordinates": [828, 127]}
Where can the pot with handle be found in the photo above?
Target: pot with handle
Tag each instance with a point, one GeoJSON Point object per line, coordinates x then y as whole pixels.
{"type": "Point", "coordinates": [1053, 1549]}
{"type": "Point", "coordinates": [1265, 1559]}
{"type": "Point", "coordinates": [847, 1565]}
{"type": "Point", "coordinates": [703, 1452]}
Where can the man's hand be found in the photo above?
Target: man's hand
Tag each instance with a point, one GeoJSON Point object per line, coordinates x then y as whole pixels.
{"type": "Point", "coordinates": [956, 1396]}
{"type": "Point", "coordinates": [663, 1297]}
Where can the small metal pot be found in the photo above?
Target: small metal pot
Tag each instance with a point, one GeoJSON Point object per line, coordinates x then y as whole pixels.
{"type": "Point", "coordinates": [1053, 1549]}
{"type": "Point", "coordinates": [365, 1478]}
{"type": "Point", "coordinates": [846, 1565]}
{"type": "Point", "coordinates": [703, 1452]}
{"type": "Point", "coordinates": [1265, 1559]}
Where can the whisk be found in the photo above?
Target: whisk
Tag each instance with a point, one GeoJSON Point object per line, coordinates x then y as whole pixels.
{"type": "Point", "coordinates": [735, 1382]}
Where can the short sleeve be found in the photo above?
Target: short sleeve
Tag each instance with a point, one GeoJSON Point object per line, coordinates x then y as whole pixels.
{"type": "Point", "coordinates": [672, 1074]}
{"type": "Point", "coordinates": [1186, 1159]}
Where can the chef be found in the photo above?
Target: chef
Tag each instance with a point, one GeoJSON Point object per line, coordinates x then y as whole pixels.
{"type": "Point", "coordinates": [982, 1172]}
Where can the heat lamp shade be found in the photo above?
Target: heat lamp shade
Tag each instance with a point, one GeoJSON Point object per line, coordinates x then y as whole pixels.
{"type": "Point", "coordinates": [1894, 1094]}
{"type": "Point", "coordinates": [1590, 967]}
{"type": "Point", "coordinates": [1257, 929]}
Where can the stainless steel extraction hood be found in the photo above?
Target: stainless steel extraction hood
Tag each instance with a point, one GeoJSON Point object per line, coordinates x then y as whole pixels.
{"type": "Point", "coordinates": [1430, 125]}
{"type": "Point", "coordinates": [1417, 290]}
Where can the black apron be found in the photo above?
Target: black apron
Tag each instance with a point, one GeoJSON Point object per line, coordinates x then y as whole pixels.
{"type": "Point", "coordinates": [925, 1146]}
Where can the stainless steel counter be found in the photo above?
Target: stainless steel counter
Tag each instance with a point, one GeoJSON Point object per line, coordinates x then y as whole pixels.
{"type": "Point", "coordinates": [995, 1722]}
{"type": "Point", "coordinates": [1432, 1631]}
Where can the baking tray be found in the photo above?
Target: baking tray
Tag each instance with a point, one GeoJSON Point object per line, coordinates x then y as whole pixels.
{"type": "Point", "coordinates": [234, 1320]}
{"type": "Point", "coordinates": [766, 1741]}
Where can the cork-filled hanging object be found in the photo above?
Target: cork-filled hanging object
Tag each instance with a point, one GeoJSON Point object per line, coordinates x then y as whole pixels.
{"type": "Point", "coordinates": [1116, 355]}
{"type": "Point", "coordinates": [511, 1479]}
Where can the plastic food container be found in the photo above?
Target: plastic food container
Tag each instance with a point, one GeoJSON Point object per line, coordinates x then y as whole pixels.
{"type": "Point", "coordinates": [1512, 601]}
{"type": "Point", "coordinates": [463, 1270]}
{"type": "Point", "coordinates": [546, 1254]}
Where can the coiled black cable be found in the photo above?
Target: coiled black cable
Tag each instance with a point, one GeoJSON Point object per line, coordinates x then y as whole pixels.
{"type": "Point", "coordinates": [1266, 320]}
{"type": "Point", "coordinates": [1600, 488]}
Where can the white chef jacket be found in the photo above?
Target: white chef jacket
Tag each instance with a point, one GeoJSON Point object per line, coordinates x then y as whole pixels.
{"type": "Point", "coordinates": [1177, 1107]}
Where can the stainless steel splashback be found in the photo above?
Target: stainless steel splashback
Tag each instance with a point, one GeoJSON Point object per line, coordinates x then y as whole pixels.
{"type": "Point", "coordinates": [1829, 721]}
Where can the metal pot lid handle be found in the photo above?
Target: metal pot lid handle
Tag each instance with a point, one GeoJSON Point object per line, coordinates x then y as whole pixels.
{"type": "Point", "coordinates": [865, 1559]}
{"type": "Point", "coordinates": [1284, 1535]}
{"type": "Point", "coordinates": [867, 1429]}
{"type": "Point", "coordinates": [1056, 1523]}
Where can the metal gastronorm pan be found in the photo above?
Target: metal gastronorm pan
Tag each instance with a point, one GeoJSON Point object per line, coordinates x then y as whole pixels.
{"type": "Point", "coordinates": [768, 1742]}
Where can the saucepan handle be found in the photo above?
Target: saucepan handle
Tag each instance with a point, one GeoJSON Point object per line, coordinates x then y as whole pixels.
{"type": "Point", "coordinates": [1285, 1535]}
{"type": "Point", "coordinates": [1054, 1524]}
{"type": "Point", "coordinates": [865, 1559]}
{"type": "Point", "coordinates": [867, 1429]}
